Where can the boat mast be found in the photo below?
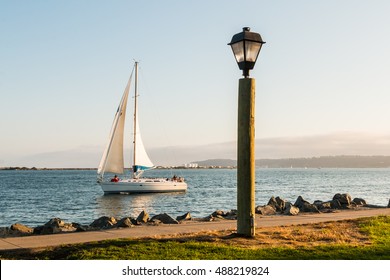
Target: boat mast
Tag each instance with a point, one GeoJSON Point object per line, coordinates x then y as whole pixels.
{"type": "Point", "coordinates": [135, 114]}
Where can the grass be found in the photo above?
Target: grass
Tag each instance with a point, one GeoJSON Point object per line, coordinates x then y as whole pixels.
{"type": "Point", "coordinates": [366, 238]}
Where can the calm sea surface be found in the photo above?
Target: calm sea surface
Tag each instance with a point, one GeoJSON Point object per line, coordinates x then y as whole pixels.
{"type": "Point", "coordinates": [34, 197]}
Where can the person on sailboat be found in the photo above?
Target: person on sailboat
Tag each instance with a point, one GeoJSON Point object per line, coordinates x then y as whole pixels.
{"type": "Point", "coordinates": [115, 179]}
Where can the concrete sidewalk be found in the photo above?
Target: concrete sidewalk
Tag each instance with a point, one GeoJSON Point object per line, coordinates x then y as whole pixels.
{"type": "Point", "coordinates": [40, 241]}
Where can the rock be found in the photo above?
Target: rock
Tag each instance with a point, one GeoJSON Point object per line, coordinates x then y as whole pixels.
{"type": "Point", "coordinates": [4, 231]}
{"type": "Point", "coordinates": [344, 199]}
{"type": "Point", "coordinates": [310, 208]}
{"type": "Point", "coordinates": [38, 230]}
{"type": "Point", "coordinates": [55, 225]}
{"type": "Point", "coordinates": [154, 222]}
{"type": "Point", "coordinates": [135, 222]}
{"type": "Point", "coordinates": [55, 222]}
{"type": "Point", "coordinates": [165, 219]}
{"type": "Point", "coordinates": [318, 202]}
{"type": "Point", "coordinates": [20, 229]}
{"type": "Point", "coordinates": [124, 223]}
{"type": "Point", "coordinates": [271, 202]}
{"type": "Point", "coordinates": [335, 204]}
{"type": "Point", "coordinates": [359, 201]}
{"type": "Point", "coordinates": [221, 215]}
{"type": "Point", "coordinates": [281, 203]}
{"type": "Point", "coordinates": [322, 205]}
{"type": "Point", "coordinates": [218, 217]}
{"type": "Point", "coordinates": [231, 215]}
{"type": "Point", "coordinates": [290, 209]}
{"type": "Point", "coordinates": [326, 205]}
{"type": "Point", "coordinates": [300, 202]}
{"type": "Point", "coordinates": [58, 223]}
{"type": "Point", "coordinates": [278, 203]}
{"type": "Point", "coordinates": [81, 228]}
{"type": "Point", "coordinates": [185, 217]}
{"type": "Point", "coordinates": [46, 230]}
{"type": "Point", "coordinates": [143, 217]}
{"type": "Point", "coordinates": [104, 222]}
{"type": "Point", "coordinates": [305, 206]}
{"type": "Point", "coordinates": [265, 210]}
{"type": "Point", "coordinates": [16, 230]}
{"type": "Point", "coordinates": [208, 218]}
{"type": "Point", "coordinates": [218, 213]}
{"type": "Point", "coordinates": [232, 212]}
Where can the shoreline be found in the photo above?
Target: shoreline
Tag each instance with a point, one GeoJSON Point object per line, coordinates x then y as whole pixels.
{"type": "Point", "coordinates": [212, 167]}
{"type": "Point", "coordinates": [164, 230]}
{"type": "Point", "coordinates": [275, 206]}
{"type": "Point", "coordinates": [94, 168]}
{"type": "Point", "coordinates": [59, 226]}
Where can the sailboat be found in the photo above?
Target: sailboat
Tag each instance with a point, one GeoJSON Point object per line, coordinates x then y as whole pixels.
{"type": "Point", "coordinates": [113, 159]}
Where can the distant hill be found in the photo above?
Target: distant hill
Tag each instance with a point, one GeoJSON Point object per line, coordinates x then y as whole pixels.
{"type": "Point", "coordinates": [312, 162]}
{"type": "Point", "coordinates": [328, 161]}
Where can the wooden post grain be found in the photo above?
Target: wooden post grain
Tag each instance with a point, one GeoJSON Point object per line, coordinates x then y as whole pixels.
{"type": "Point", "coordinates": [246, 158]}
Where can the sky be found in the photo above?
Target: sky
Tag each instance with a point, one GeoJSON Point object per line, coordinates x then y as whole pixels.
{"type": "Point", "coordinates": [323, 73]}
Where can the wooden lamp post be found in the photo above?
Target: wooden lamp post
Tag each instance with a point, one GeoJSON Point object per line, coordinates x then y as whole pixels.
{"type": "Point", "coordinates": [246, 47]}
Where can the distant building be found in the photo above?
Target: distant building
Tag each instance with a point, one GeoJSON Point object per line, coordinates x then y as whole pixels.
{"type": "Point", "coordinates": [191, 165]}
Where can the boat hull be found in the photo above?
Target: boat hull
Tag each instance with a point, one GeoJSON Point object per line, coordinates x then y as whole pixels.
{"type": "Point", "coordinates": [143, 186]}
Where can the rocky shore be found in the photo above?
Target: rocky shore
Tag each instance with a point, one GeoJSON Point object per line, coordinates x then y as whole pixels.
{"type": "Point", "coordinates": [275, 206]}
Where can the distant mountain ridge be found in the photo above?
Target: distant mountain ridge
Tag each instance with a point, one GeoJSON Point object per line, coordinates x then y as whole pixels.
{"type": "Point", "coordinates": [304, 147]}
{"type": "Point", "coordinates": [312, 162]}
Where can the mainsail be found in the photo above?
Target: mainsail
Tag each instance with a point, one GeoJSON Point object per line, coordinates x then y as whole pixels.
{"type": "Point", "coordinates": [112, 159]}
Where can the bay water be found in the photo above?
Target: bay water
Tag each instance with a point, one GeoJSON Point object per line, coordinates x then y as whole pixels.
{"type": "Point", "coordinates": [32, 197]}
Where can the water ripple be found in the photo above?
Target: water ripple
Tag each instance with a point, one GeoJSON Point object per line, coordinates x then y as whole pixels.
{"type": "Point", "coordinates": [33, 197]}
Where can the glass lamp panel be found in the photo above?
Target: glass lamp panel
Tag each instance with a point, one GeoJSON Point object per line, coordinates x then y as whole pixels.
{"type": "Point", "coordinates": [238, 50]}
{"type": "Point", "coordinates": [252, 50]}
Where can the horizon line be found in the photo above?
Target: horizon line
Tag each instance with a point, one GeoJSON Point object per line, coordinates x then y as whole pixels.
{"type": "Point", "coordinates": [196, 161]}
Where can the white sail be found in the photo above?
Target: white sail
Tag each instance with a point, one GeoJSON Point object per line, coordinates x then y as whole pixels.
{"type": "Point", "coordinates": [142, 160]}
{"type": "Point", "coordinates": [140, 157]}
{"type": "Point", "coordinates": [112, 159]}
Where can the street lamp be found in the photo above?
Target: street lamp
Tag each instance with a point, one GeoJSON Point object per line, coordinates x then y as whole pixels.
{"type": "Point", "coordinates": [246, 47]}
